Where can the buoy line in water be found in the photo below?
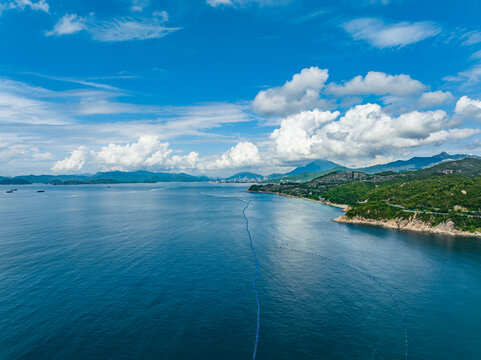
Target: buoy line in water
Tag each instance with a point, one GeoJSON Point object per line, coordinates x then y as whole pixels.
{"type": "Point", "coordinates": [255, 279]}
{"type": "Point", "coordinates": [248, 202]}
{"type": "Point", "coordinates": [367, 275]}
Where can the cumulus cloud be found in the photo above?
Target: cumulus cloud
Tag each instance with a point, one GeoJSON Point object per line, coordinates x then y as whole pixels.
{"type": "Point", "coordinates": [300, 93]}
{"type": "Point", "coordinates": [469, 108]}
{"type": "Point", "coordinates": [434, 98]}
{"type": "Point", "coordinates": [298, 133]}
{"type": "Point", "coordinates": [364, 131]}
{"type": "Point", "coordinates": [148, 152]}
{"type": "Point", "coordinates": [151, 153]}
{"type": "Point", "coordinates": [308, 90]}
{"type": "Point", "coordinates": [40, 5]}
{"type": "Point", "coordinates": [377, 83]}
{"type": "Point", "coordinates": [242, 155]}
{"type": "Point", "coordinates": [67, 25]}
{"type": "Point", "coordinates": [116, 29]}
{"type": "Point", "coordinates": [75, 162]}
{"type": "Point", "coordinates": [382, 35]}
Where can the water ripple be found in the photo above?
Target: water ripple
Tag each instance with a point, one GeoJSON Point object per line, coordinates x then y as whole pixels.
{"type": "Point", "coordinates": [367, 275]}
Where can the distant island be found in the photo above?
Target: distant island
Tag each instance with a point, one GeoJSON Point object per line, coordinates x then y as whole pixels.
{"type": "Point", "coordinates": [111, 177]}
{"type": "Point", "coordinates": [444, 199]}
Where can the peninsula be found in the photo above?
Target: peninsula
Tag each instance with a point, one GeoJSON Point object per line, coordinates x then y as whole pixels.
{"type": "Point", "coordinates": [443, 199]}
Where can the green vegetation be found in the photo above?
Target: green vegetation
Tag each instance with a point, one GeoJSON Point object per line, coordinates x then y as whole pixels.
{"type": "Point", "coordinates": [304, 177]}
{"type": "Point", "coordinates": [449, 191]}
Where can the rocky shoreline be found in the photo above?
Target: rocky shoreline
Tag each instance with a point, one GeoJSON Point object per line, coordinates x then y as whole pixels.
{"type": "Point", "coordinates": [446, 228]}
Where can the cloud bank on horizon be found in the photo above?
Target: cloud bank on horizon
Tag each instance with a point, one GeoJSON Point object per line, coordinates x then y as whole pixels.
{"type": "Point", "coordinates": [126, 86]}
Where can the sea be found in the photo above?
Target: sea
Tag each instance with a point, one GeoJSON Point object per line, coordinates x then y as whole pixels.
{"type": "Point", "coordinates": [209, 271]}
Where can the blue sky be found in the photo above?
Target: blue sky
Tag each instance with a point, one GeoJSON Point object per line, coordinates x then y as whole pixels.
{"type": "Point", "coordinates": [219, 86]}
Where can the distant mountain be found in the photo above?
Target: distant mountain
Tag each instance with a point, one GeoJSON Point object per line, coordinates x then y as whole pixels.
{"type": "Point", "coordinates": [315, 166]}
{"type": "Point", "coordinates": [304, 177]}
{"type": "Point", "coordinates": [14, 181]}
{"type": "Point", "coordinates": [43, 179]}
{"type": "Point", "coordinates": [245, 175]}
{"type": "Point", "coordinates": [110, 177]}
{"type": "Point", "coordinates": [83, 182]}
{"type": "Point", "coordinates": [274, 176]}
{"type": "Point", "coordinates": [414, 163]}
{"type": "Point", "coordinates": [469, 167]}
{"type": "Point", "coordinates": [301, 174]}
{"type": "Point", "coordinates": [146, 177]}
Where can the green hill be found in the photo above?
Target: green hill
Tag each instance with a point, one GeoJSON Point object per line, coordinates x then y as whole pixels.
{"type": "Point", "coordinates": [449, 191]}
{"type": "Point", "coordinates": [303, 177]}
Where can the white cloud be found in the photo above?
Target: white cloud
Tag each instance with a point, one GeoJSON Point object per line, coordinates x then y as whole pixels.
{"type": "Point", "coordinates": [139, 5]}
{"type": "Point", "coordinates": [40, 5]}
{"type": "Point", "coordinates": [116, 29]}
{"type": "Point", "coordinates": [472, 38]}
{"type": "Point", "coordinates": [74, 163]}
{"type": "Point", "coordinates": [147, 153]}
{"type": "Point", "coordinates": [377, 83]}
{"type": "Point", "coordinates": [364, 131]}
{"type": "Point", "coordinates": [301, 93]}
{"type": "Point", "coordinates": [9, 152]}
{"type": "Point", "coordinates": [236, 3]}
{"type": "Point", "coordinates": [299, 132]}
{"type": "Point", "coordinates": [219, 2]}
{"type": "Point", "coordinates": [125, 29]}
{"type": "Point", "coordinates": [242, 155]}
{"type": "Point", "coordinates": [469, 108]}
{"type": "Point", "coordinates": [435, 98]}
{"type": "Point", "coordinates": [59, 121]}
{"type": "Point", "coordinates": [67, 25]}
{"type": "Point", "coordinates": [19, 105]}
{"type": "Point", "coordinates": [151, 153]}
{"type": "Point", "coordinates": [476, 55]}
{"type": "Point", "coordinates": [382, 35]}
{"type": "Point", "coordinates": [469, 77]}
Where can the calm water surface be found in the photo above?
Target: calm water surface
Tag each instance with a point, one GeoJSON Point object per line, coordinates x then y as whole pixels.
{"type": "Point", "coordinates": [165, 271]}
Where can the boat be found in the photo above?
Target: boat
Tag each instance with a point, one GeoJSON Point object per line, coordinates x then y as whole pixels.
{"type": "Point", "coordinates": [9, 191]}
{"type": "Point", "coordinates": [40, 191]}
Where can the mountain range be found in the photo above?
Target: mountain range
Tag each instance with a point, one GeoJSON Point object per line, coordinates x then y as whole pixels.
{"type": "Point", "coordinates": [303, 173]}
{"type": "Point", "coordinates": [322, 167]}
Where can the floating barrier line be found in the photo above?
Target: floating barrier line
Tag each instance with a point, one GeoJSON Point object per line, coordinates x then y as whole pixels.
{"type": "Point", "coordinates": [367, 275]}
{"type": "Point", "coordinates": [255, 279]}
{"type": "Point", "coordinates": [257, 264]}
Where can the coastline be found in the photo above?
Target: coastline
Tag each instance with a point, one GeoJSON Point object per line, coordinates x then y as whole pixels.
{"type": "Point", "coordinates": [446, 228]}
{"type": "Point", "coordinates": [404, 225]}
{"type": "Point", "coordinates": [341, 206]}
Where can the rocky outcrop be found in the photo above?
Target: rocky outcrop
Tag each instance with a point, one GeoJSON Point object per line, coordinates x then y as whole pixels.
{"type": "Point", "coordinates": [446, 228]}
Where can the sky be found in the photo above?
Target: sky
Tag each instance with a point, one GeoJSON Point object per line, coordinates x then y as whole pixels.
{"type": "Point", "coordinates": [221, 86]}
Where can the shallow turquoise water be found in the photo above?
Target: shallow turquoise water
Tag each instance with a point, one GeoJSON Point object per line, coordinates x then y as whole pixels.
{"type": "Point", "coordinates": [165, 271]}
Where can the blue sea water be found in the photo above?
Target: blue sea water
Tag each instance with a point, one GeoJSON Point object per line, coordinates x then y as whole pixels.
{"type": "Point", "coordinates": [166, 271]}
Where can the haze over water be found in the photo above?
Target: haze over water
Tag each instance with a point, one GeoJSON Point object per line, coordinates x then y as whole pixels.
{"type": "Point", "coordinates": [165, 271]}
